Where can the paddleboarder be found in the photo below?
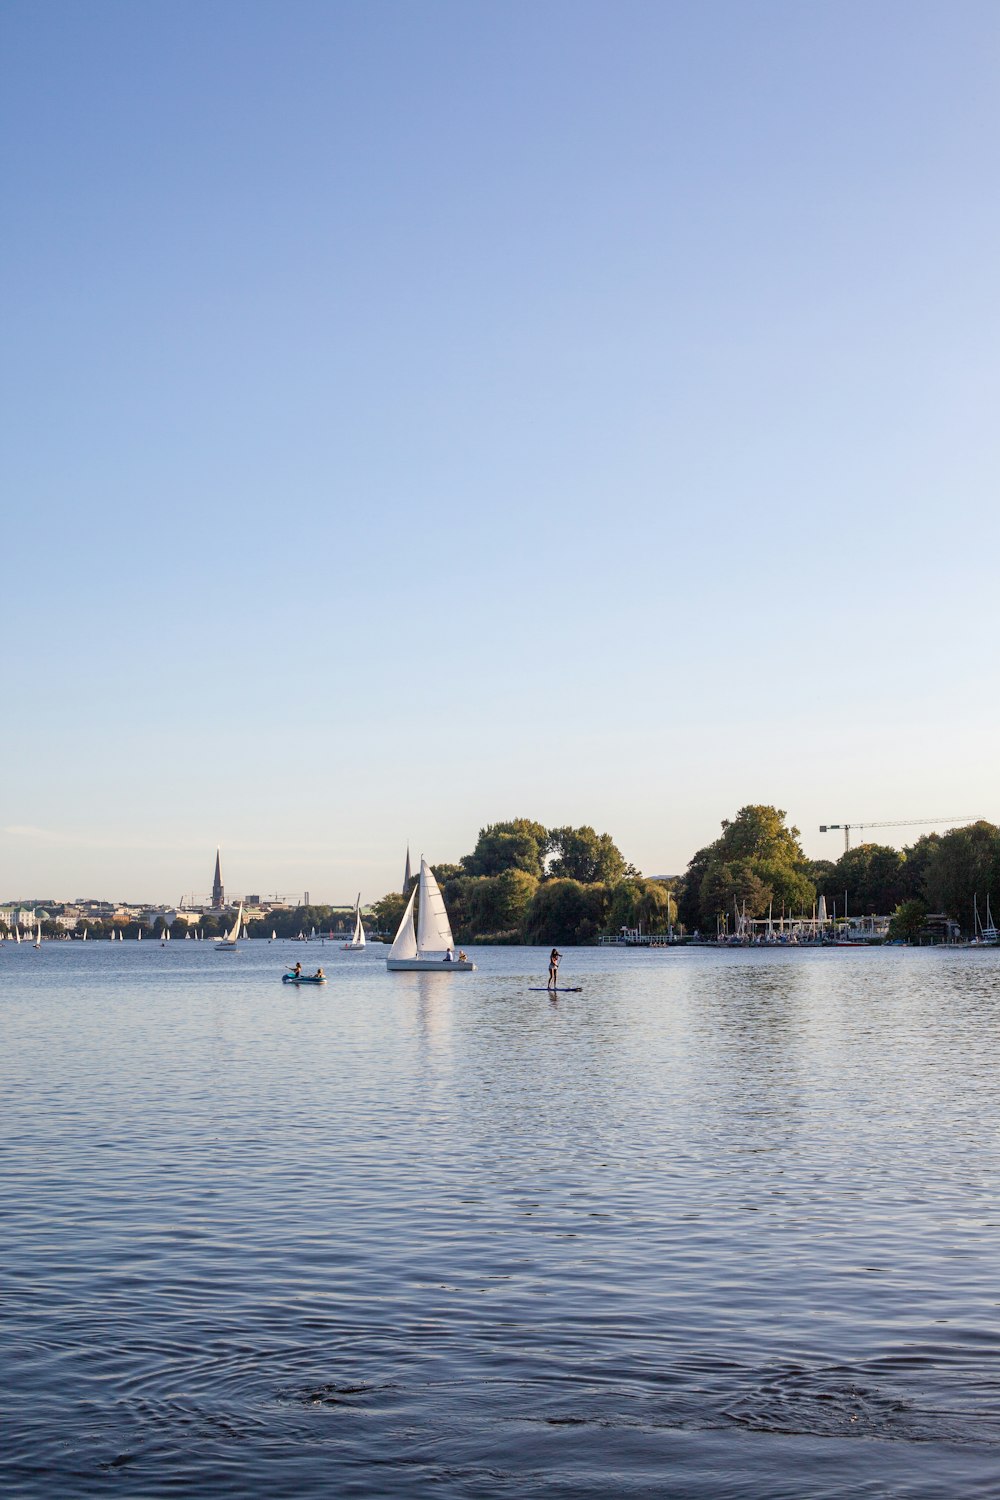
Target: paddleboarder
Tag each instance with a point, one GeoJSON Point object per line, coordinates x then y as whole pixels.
{"type": "Point", "coordinates": [554, 958]}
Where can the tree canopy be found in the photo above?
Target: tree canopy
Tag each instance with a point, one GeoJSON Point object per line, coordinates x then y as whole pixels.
{"type": "Point", "coordinates": [756, 861]}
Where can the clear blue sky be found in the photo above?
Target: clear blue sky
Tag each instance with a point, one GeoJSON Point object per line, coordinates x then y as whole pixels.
{"type": "Point", "coordinates": [421, 414]}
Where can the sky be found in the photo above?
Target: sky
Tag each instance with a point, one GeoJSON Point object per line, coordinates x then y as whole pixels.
{"type": "Point", "coordinates": [417, 415]}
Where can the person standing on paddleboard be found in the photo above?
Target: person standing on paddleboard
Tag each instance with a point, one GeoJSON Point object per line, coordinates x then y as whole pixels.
{"type": "Point", "coordinates": [554, 958]}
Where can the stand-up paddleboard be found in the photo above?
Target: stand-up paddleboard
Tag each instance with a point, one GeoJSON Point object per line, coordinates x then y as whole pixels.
{"type": "Point", "coordinates": [556, 989]}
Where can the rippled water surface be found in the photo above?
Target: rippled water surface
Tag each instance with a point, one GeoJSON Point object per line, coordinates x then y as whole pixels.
{"type": "Point", "coordinates": [723, 1224]}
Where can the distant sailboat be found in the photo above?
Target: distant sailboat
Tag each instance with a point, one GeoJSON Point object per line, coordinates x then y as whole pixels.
{"type": "Point", "coordinates": [85, 934]}
{"type": "Point", "coordinates": [431, 945]}
{"type": "Point", "coordinates": [228, 943]}
{"type": "Point", "coordinates": [986, 932]}
{"type": "Point", "coordinates": [138, 936]}
{"type": "Point", "coordinates": [273, 934]}
{"type": "Point", "coordinates": [358, 940]}
{"type": "Point", "coordinates": [38, 936]}
{"type": "Point", "coordinates": [17, 934]}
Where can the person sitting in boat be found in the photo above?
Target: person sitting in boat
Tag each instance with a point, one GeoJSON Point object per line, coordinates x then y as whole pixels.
{"type": "Point", "coordinates": [297, 970]}
{"type": "Point", "coordinates": [319, 974]}
{"type": "Point", "coordinates": [448, 956]}
{"type": "Point", "coordinates": [462, 958]}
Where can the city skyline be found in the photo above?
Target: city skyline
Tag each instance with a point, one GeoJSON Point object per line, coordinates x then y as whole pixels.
{"type": "Point", "coordinates": [417, 417]}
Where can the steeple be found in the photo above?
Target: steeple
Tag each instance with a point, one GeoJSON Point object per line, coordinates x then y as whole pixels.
{"type": "Point", "coordinates": [407, 878]}
{"type": "Point", "coordinates": [218, 889]}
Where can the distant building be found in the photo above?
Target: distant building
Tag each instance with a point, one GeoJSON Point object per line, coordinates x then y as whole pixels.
{"type": "Point", "coordinates": [218, 889]}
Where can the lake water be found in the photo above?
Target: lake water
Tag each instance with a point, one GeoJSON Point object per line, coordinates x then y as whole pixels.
{"type": "Point", "coordinates": [723, 1225]}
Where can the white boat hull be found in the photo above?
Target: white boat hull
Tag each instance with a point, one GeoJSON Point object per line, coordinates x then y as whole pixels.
{"type": "Point", "coordinates": [438, 965]}
{"type": "Point", "coordinates": [352, 947]}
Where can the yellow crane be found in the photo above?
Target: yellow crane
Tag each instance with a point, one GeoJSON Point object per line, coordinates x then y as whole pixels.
{"type": "Point", "coordinates": [892, 823]}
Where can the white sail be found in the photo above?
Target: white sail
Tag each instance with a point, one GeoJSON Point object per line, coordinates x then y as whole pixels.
{"type": "Point", "coordinates": [433, 927]}
{"type": "Point", "coordinates": [138, 936]}
{"type": "Point", "coordinates": [405, 942]}
{"type": "Point", "coordinates": [230, 939]}
{"type": "Point", "coordinates": [17, 934]}
{"type": "Point", "coordinates": [38, 936]}
{"type": "Point", "coordinates": [273, 934]}
{"type": "Point", "coordinates": [359, 930]}
{"type": "Point", "coordinates": [85, 934]}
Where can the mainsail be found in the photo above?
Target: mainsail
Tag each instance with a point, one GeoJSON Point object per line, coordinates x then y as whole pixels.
{"type": "Point", "coordinates": [433, 928]}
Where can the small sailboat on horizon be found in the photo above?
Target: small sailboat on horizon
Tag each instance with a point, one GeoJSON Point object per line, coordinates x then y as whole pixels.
{"type": "Point", "coordinates": [430, 945]}
{"type": "Point", "coordinates": [357, 942]}
{"type": "Point", "coordinates": [228, 943]}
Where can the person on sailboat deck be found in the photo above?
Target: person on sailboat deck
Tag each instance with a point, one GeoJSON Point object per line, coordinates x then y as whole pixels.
{"type": "Point", "coordinates": [297, 970]}
{"type": "Point", "coordinates": [554, 958]}
{"type": "Point", "coordinates": [463, 957]}
{"type": "Point", "coordinates": [449, 955]}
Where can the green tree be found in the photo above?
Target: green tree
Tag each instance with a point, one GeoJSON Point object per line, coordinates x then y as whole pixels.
{"type": "Point", "coordinates": [872, 875]}
{"type": "Point", "coordinates": [759, 832]}
{"type": "Point", "coordinates": [565, 911]}
{"type": "Point", "coordinates": [638, 902]}
{"type": "Point", "coordinates": [387, 913]}
{"type": "Point", "coordinates": [587, 856]}
{"type": "Point", "coordinates": [727, 887]}
{"type": "Point", "coordinates": [501, 903]}
{"type": "Point", "coordinates": [517, 845]}
{"type": "Point", "coordinates": [756, 860]}
{"type": "Point", "coordinates": [916, 861]}
{"type": "Point", "coordinates": [907, 921]}
{"type": "Point", "coordinates": [964, 869]}
{"type": "Point", "coordinates": [689, 895]}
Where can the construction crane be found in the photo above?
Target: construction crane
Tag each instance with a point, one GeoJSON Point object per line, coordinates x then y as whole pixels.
{"type": "Point", "coordinates": [893, 823]}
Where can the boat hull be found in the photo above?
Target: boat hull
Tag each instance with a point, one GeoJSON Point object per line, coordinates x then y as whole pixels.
{"type": "Point", "coordinates": [353, 947]}
{"type": "Point", "coordinates": [302, 979]}
{"type": "Point", "coordinates": [435, 965]}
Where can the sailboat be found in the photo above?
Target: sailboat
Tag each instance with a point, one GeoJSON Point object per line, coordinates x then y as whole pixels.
{"type": "Point", "coordinates": [358, 940]}
{"type": "Point", "coordinates": [38, 936]}
{"type": "Point", "coordinates": [986, 932]}
{"type": "Point", "coordinates": [273, 934]}
{"type": "Point", "coordinates": [431, 945]}
{"type": "Point", "coordinates": [85, 934]}
{"type": "Point", "coordinates": [228, 943]}
{"type": "Point", "coordinates": [17, 934]}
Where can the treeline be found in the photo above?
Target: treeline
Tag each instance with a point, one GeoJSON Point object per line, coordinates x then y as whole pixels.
{"type": "Point", "coordinates": [759, 861]}
{"type": "Point", "coordinates": [525, 883]}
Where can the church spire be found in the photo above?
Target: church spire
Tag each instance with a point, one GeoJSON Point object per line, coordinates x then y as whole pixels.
{"type": "Point", "coordinates": [407, 878]}
{"type": "Point", "coordinates": [218, 889]}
